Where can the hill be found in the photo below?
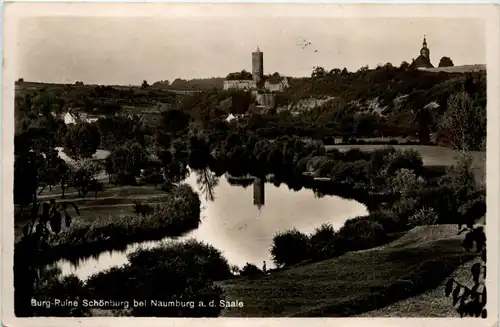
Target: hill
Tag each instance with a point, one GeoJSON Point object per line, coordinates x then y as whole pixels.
{"type": "Point", "coordinates": [355, 282]}
{"type": "Point", "coordinates": [429, 304]}
{"type": "Point", "coordinates": [457, 69]}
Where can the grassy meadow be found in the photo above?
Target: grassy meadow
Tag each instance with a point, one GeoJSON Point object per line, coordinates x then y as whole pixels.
{"type": "Point", "coordinates": [114, 201]}
{"type": "Point", "coordinates": [356, 282]}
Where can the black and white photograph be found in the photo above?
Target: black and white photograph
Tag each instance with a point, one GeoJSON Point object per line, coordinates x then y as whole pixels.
{"type": "Point", "coordinates": [253, 160]}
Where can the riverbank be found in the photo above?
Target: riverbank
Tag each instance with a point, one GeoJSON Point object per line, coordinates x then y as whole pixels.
{"type": "Point", "coordinates": [432, 156]}
{"type": "Point", "coordinates": [178, 213]}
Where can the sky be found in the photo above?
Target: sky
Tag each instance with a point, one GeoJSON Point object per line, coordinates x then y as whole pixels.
{"type": "Point", "coordinates": [128, 50]}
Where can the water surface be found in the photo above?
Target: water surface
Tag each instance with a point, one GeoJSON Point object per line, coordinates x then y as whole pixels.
{"type": "Point", "coordinates": [241, 222]}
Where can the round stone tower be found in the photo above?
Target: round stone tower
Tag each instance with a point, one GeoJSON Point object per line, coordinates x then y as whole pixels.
{"type": "Point", "coordinates": [257, 65]}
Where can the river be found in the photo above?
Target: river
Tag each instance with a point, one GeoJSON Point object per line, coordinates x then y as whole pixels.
{"type": "Point", "coordinates": [241, 221]}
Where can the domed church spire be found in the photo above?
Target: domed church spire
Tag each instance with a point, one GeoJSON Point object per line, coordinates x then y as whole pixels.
{"type": "Point", "coordinates": [425, 52]}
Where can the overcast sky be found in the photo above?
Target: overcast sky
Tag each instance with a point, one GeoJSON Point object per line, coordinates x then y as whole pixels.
{"type": "Point", "coordinates": [128, 50]}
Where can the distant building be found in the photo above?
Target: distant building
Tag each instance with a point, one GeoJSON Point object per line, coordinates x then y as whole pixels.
{"type": "Point", "coordinates": [233, 117]}
{"type": "Point", "coordinates": [246, 85]}
{"type": "Point", "coordinates": [424, 59]}
{"type": "Point", "coordinates": [72, 118]}
{"type": "Point", "coordinates": [261, 86]}
{"type": "Point", "coordinates": [69, 118]}
{"type": "Point", "coordinates": [280, 86]}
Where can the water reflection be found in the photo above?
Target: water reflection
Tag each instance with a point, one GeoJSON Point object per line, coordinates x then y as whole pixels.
{"type": "Point", "coordinates": [230, 221]}
{"type": "Point", "coordinates": [207, 181]}
{"type": "Point", "coordinates": [258, 192]}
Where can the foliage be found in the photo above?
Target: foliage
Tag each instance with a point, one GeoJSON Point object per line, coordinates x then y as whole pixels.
{"type": "Point", "coordinates": [243, 75]}
{"type": "Point", "coordinates": [360, 233]}
{"type": "Point", "coordinates": [82, 140]}
{"type": "Point", "coordinates": [143, 209]}
{"type": "Point", "coordinates": [445, 62]}
{"type": "Point", "coordinates": [173, 122]}
{"type": "Point", "coordinates": [289, 248]}
{"type": "Point", "coordinates": [178, 213]}
{"type": "Point", "coordinates": [176, 271]}
{"type": "Point", "coordinates": [83, 176]}
{"type": "Point", "coordinates": [31, 280]}
{"type": "Point", "coordinates": [323, 242]}
{"type": "Point", "coordinates": [127, 160]}
{"type": "Point", "coordinates": [250, 270]}
{"type": "Point", "coordinates": [423, 216]}
{"type": "Point", "coordinates": [463, 125]}
{"type": "Point", "coordinates": [406, 181]}
{"type": "Point", "coordinates": [116, 131]}
{"type": "Point", "coordinates": [471, 301]}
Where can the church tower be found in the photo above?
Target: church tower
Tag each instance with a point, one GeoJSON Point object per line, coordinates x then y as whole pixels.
{"type": "Point", "coordinates": [257, 65]}
{"type": "Point", "coordinates": [424, 52]}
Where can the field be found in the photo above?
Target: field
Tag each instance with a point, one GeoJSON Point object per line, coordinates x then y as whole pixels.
{"type": "Point", "coordinates": [356, 282]}
{"type": "Point", "coordinates": [431, 155]}
{"type": "Point", "coordinates": [117, 201]}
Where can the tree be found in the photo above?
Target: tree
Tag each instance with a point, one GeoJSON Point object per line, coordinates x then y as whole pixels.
{"type": "Point", "coordinates": [318, 72]}
{"type": "Point", "coordinates": [323, 242]}
{"type": "Point", "coordinates": [463, 125]}
{"type": "Point", "coordinates": [243, 75]}
{"type": "Point", "coordinates": [173, 122]}
{"type": "Point", "coordinates": [289, 247]}
{"type": "Point", "coordinates": [34, 156]}
{"type": "Point", "coordinates": [445, 62]}
{"type": "Point", "coordinates": [82, 140]}
{"type": "Point", "coordinates": [83, 176]}
{"type": "Point", "coordinates": [126, 160]}
{"type": "Point", "coordinates": [144, 84]}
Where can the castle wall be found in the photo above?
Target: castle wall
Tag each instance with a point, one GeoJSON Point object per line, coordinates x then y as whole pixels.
{"type": "Point", "coordinates": [266, 99]}
{"type": "Point", "coordinates": [240, 85]}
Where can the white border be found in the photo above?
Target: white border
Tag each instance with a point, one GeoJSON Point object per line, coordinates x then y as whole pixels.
{"type": "Point", "coordinates": [13, 12]}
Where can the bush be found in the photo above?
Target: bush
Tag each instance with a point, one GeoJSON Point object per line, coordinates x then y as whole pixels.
{"type": "Point", "coordinates": [388, 220]}
{"type": "Point", "coordinates": [143, 209]}
{"type": "Point", "coordinates": [423, 216]}
{"type": "Point", "coordinates": [320, 165]}
{"type": "Point", "coordinates": [355, 155]}
{"type": "Point", "coordinates": [323, 243]}
{"type": "Point", "coordinates": [175, 271]}
{"type": "Point", "coordinates": [250, 270]}
{"type": "Point", "coordinates": [405, 181]}
{"type": "Point", "coordinates": [404, 208]}
{"type": "Point", "coordinates": [361, 233]}
{"type": "Point", "coordinates": [351, 173]}
{"type": "Point", "coordinates": [123, 178]}
{"type": "Point", "coordinates": [409, 159]}
{"type": "Point", "coordinates": [289, 247]}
